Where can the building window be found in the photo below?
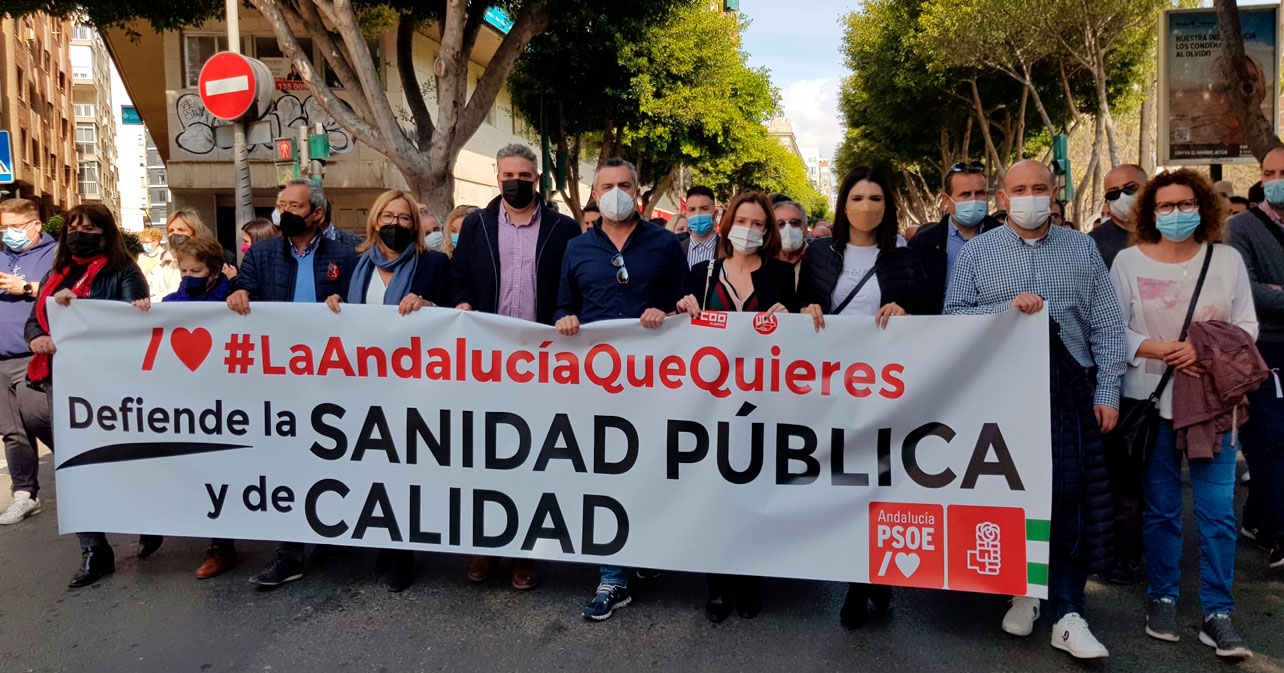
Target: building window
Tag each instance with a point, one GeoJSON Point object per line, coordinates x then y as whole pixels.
{"type": "Point", "coordinates": [22, 87]}
{"type": "Point", "coordinates": [197, 49]}
{"type": "Point", "coordinates": [23, 147]}
{"type": "Point", "coordinates": [62, 82]}
{"type": "Point", "coordinates": [82, 32]}
{"type": "Point", "coordinates": [158, 178]}
{"type": "Point", "coordinates": [35, 153]}
{"type": "Point", "coordinates": [159, 195]}
{"type": "Point", "coordinates": [82, 71]}
{"type": "Point", "coordinates": [85, 110]}
{"type": "Point", "coordinates": [87, 178]}
{"type": "Point", "coordinates": [86, 139]}
{"type": "Point", "coordinates": [332, 79]}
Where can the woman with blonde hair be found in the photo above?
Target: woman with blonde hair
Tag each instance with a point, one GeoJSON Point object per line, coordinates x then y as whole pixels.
{"type": "Point", "coordinates": [454, 223]}
{"type": "Point", "coordinates": [153, 244]}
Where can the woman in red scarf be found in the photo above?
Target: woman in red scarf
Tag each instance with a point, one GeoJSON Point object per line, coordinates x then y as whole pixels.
{"type": "Point", "coordinates": [92, 262]}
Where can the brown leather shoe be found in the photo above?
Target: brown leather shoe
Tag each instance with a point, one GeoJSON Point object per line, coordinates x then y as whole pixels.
{"type": "Point", "coordinates": [481, 568]}
{"type": "Point", "coordinates": [525, 577]}
{"type": "Point", "coordinates": [217, 561]}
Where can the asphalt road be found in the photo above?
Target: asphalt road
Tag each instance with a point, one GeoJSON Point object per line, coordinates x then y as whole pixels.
{"type": "Point", "coordinates": [153, 615]}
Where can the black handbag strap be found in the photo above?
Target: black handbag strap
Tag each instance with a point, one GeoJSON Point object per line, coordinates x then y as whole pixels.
{"type": "Point", "coordinates": [1185, 327]}
{"type": "Point", "coordinates": [855, 291]}
{"type": "Point", "coordinates": [1270, 225]}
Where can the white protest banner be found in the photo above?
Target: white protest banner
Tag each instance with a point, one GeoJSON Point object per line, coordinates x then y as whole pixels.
{"type": "Point", "coordinates": [916, 455]}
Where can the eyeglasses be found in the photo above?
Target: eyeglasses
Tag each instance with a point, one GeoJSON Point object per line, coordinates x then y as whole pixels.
{"type": "Point", "coordinates": [790, 223]}
{"type": "Point", "coordinates": [393, 218]}
{"type": "Point", "coordinates": [622, 274]}
{"type": "Point", "coordinates": [28, 223]}
{"type": "Point", "coordinates": [1187, 206]}
{"type": "Point", "coordinates": [968, 167]}
{"type": "Point", "coordinates": [1129, 189]}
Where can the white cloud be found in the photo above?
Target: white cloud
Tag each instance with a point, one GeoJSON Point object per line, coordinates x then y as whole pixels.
{"type": "Point", "coordinates": [812, 106]}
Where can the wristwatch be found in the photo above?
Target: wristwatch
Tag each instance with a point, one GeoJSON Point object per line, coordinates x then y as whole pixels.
{"type": "Point", "coordinates": [26, 289]}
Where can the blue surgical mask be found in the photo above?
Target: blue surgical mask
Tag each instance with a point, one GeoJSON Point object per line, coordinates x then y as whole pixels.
{"type": "Point", "coordinates": [434, 240]}
{"type": "Point", "coordinates": [454, 239]}
{"type": "Point", "coordinates": [1177, 226]}
{"type": "Point", "coordinates": [193, 286]}
{"type": "Point", "coordinates": [700, 224]}
{"type": "Point", "coordinates": [1274, 192]}
{"type": "Point", "coordinates": [970, 213]}
{"type": "Point", "coordinates": [149, 248]}
{"type": "Point", "coordinates": [16, 239]}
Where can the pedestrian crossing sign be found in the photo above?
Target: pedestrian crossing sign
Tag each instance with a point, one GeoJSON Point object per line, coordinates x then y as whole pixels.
{"type": "Point", "coordinates": [6, 159]}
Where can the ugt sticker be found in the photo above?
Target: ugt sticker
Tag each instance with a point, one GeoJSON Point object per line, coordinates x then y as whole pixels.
{"type": "Point", "coordinates": [907, 545]}
{"type": "Point", "coordinates": [987, 549]}
{"type": "Point", "coordinates": [764, 324]}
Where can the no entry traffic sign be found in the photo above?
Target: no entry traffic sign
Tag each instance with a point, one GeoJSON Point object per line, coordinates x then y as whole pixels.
{"type": "Point", "coordinates": [234, 87]}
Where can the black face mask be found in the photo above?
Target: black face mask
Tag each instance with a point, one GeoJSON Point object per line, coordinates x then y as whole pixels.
{"type": "Point", "coordinates": [397, 238]}
{"type": "Point", "coordinates": [83, 244]}
{"type": "Point", "coordinates": [519, 193]}
{"type": "Point", "coordinates": [292, 225]}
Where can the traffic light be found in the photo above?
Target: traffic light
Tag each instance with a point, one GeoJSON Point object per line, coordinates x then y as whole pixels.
{"type": "Point", "coordinates": [1061, 167]}
{"type": "Point", "coordinates": [286, 157]}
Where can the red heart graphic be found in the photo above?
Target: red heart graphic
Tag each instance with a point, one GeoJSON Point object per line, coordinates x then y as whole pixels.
{"type": "Point", "coordinates": [191, 347]}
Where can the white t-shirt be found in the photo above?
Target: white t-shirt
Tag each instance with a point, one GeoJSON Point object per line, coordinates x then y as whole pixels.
{"type": "Point", "coordinates": [857, 261]}
{"type": "Point", "coordinates": [1155, 296]}
{"type": "Point", "coordinates": [376, 288]}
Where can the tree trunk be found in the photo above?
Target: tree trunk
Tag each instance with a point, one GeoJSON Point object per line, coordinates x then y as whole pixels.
{"type": "Point", "coordinates": [1257, 129]}
{"type": "Point", "coordinates": [1146, 136]}
{"type": "Point", "coordinates": [1089, 170]}
{"type": "Point", "coordinates": [1106, 120]}
{"type": "Point", "coordinates": [983, 121]}
{"type": "Point", "coordinates": [1038, 102]}
{"type": "Point", "coordinates": [658, 191]}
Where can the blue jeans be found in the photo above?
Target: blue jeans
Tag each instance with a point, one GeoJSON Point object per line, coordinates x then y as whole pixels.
{"type": "Point", "coordinates": [1066, 576]}
{"type": "Point", "coordinates": [614, 575]}
{"type": "Point", "coordinates": [1213, 484]}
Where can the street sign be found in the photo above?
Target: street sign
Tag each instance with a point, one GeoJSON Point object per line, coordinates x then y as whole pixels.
{"type": "Point", "coordinates": [233, 87]}
{"type": "Point", "coordinates": [6, 159]}
{"type": "Point", "coordinates": [129, 116]}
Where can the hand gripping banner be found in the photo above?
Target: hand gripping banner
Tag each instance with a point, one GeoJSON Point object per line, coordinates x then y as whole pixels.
{"type": "Point", "coordinates": [914, 456]}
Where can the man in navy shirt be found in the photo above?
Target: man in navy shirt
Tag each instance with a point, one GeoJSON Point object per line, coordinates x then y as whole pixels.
{"type": "Point", "coordinates": [301, 266]}
{"type": "Point", "coordinates": [624, 267]}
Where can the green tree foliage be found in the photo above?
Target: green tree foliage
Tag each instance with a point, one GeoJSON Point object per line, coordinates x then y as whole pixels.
{"type": "Point", "coordinates": [666, 89]}
{"type": "Point", "coordinates": [939, 81]}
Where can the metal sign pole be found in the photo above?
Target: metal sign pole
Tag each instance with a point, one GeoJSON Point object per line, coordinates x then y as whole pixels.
{"type": "Point", "coordinates": [240, 149]}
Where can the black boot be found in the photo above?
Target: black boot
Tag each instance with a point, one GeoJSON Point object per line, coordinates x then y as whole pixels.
{"type": "Point", "coordinates": [148, 544]}
{"type": "Point", "coordinates": [718, 607]}
{"type": "Point", "coordinates": [95, 563]}
{"type": "Point", "coordinates": [400, 569]}
{"type": "Point", "coordinates": [749, 598]}
{"type": "Point", "coordinates": [881, 596]}
{"type": "Point", "coordinates": [855, 610]}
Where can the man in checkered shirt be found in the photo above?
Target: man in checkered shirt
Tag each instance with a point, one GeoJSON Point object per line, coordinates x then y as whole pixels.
{"type": "Point", "coordinates": [1022, 266]}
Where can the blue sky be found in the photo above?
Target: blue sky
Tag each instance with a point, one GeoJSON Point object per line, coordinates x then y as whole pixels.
{"type": "Point", "coordinates": [799, 41]}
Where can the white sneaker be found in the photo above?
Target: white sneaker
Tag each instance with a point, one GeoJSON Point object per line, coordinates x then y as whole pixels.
{"type": "Point", "coordinates": [23, 506]}
{"type": "Point", "coordinates": [1071, 634]}
{"type": "Point", "coordinates": [1020, 619]}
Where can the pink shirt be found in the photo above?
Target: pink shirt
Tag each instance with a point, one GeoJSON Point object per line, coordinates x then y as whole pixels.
{"type": "Point", "coordinates": [517, 243]}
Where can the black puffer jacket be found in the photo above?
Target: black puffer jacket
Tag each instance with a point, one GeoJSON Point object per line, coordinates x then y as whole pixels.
{"type": "Point", "coordinates": [1080, 482]}
{"type": "Point", "coordinates": [899, 272]}
{"type": "Point", "coordinates": [124, 284]}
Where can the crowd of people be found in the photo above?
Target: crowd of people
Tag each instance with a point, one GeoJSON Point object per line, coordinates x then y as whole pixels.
{"type": "Point", "coordinates": [1165, 322]}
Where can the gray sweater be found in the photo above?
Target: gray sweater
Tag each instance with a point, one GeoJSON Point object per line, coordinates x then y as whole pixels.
{"type": "Point", "coordinates": [1264, 258]}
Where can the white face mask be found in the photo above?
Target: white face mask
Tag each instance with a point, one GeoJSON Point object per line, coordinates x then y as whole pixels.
{"type": "Point", "coordinates": [1029, 212]}
{"type": "Point", "coordinates": [1121, 208]}
{"type": "Point", "coordinates": [616, 205]}
{"type": "Point", "coordinates": [791, 238]}
{"type": "Point", "coordinates": [435, 240]}
{"type": "Point", "coordinates": [746, 241]}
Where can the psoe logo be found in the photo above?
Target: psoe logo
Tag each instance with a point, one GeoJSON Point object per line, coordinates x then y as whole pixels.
{"type": "Point", "coordinates": [764, 323]}
{"type": "Point", "coordinates": [714, 319]}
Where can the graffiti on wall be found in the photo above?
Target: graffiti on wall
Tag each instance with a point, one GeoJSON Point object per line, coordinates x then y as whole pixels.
{"type": "Point", "coordinates": [196, 125]}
